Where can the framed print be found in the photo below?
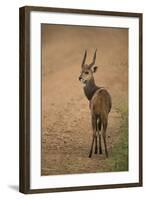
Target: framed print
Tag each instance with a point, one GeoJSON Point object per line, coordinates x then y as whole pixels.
{"type": "Point", "coordinates": [80, 99]}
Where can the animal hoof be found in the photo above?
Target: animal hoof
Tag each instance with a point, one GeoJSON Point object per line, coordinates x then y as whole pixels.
{"type": "Point", "coordinates": [89, 156]}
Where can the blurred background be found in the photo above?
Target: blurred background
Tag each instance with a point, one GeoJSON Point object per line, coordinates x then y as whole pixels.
{"type": "Point", "coordinates": [66, 128]}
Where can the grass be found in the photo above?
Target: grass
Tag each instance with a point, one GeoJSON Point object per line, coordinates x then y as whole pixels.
{"type": "Point", "coordinates": [118, 160]}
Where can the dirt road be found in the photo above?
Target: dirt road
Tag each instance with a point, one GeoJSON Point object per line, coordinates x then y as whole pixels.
{"type": "Point", "coordinates": [66, 123]}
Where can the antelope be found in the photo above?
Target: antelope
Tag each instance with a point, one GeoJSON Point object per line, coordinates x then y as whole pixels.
{"type": "Point", "coordinates": [100, 104]}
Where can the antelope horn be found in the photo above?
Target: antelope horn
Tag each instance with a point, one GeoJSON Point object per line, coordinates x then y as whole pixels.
{"type": "Point", "coordinates": [94, 58]}
{"type": "Point", "coordinates": [84, 59]}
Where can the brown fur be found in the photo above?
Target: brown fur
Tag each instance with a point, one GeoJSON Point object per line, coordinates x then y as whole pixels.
{"type": "Point", "coordinates": [101, 102]}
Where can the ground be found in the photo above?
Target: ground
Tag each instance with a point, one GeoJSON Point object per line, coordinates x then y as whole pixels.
{"type": "Point", "coordinates": [66, 123]}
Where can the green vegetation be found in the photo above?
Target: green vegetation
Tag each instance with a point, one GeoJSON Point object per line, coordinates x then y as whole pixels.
{"type": "Point", "coordinates": [118, 160]}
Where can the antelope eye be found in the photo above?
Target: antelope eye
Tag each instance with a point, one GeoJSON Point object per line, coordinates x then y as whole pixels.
{"type": "Point", "coordinates": [86, 72]}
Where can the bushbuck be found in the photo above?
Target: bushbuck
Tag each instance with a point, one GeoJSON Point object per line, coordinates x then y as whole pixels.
{"type": "Point", "coordinates": [100, 104]}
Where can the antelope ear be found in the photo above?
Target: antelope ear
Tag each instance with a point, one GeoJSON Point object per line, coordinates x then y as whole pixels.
{"type": "Point", "coordinates": [94, 69]}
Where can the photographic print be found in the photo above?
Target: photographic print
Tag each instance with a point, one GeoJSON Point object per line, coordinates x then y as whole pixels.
{"type": "Point", "coordinates": [84, 99]}
{"type": "Point", "coordinates": [80, 100]}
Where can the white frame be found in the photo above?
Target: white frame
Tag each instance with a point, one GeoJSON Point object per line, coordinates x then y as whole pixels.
{"type": "Point", "coordinates": [132, 176]}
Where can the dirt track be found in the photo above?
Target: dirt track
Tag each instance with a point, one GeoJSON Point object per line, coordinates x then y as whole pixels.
{"type": "Point", "coordinates": [66, 128]}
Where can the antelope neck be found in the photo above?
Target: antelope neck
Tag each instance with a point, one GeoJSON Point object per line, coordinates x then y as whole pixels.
{"type": "Point", "coordinates": [90, 88]}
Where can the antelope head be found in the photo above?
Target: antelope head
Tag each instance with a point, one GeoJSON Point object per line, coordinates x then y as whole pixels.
{"type": "Point", "coordinates": [87, 70]}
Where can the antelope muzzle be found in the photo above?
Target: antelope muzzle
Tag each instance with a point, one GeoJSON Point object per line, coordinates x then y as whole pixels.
{"type": "Point", "coordinates": [80, 78]}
